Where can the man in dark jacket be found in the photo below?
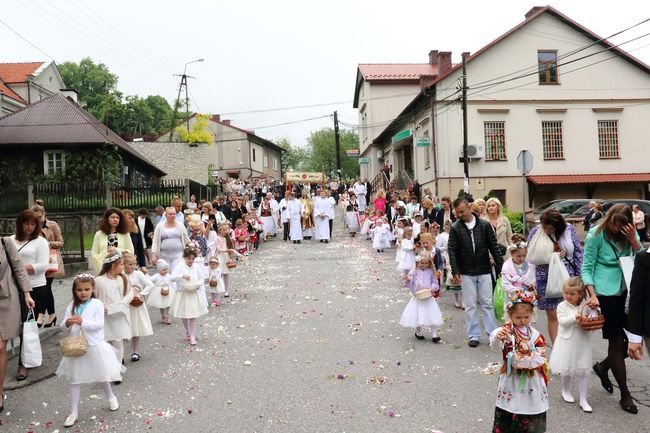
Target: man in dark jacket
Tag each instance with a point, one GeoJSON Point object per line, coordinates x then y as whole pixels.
{"type": "Point", "coordinates": [471, 241]}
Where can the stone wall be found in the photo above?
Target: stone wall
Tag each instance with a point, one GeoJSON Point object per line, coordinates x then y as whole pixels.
{"type": "Point", "coordinates": [178, 160]}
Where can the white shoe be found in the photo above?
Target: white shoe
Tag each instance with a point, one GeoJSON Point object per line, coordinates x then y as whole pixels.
{"type": "Point", "coordinates": [585, 406]}
{"type": "Point", "coordinates": [113, 405]}
{"type": "Point", "coordinates": [69, 421]}
{"type": "Point", "coordinates": [566, 395]}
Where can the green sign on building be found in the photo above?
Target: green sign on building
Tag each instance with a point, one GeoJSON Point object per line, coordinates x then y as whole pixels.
{"type": "Point", "coordinates": [363, 161]}
{"type": "Point", "coordinates": [422, 142]}
{"type": "Point", "coordinates": [401, 135]}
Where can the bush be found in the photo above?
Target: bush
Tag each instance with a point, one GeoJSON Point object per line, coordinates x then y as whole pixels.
{"type": "Point", "coordinates": [515, 221]}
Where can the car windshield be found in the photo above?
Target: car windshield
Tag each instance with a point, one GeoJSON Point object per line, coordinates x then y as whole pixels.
{"type": "Point", "coordinates": [583, 211]}
{"type": "Point", "coordinates": [568, 207]}
{"type": "Point", "coordinates": [545, 206]}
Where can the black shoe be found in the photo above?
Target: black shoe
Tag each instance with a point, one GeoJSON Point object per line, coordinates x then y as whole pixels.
{"type": "Point", "coordinates": [49, 325]}
{"type": "Point", "coordinates": [299, 242]}
{"type": "Point", "coordinates": [473, 343]}
{"type": "Point", "coordinates": [294, 242]}
{"type": "Point", "coordinates": [327, 241]}
{"type": "Point", "coordinates": [135, 357]}
{"type": "Point", "coordinates": [627, 404]}
{"type": "Point", "coordinates": [436, 339]}
{"type": "Point", "coordinates": [604, 378]}
{"type": "Point", "coordinates": [419, 336]}
{"type": "Point", "coordinates": [117, 382]}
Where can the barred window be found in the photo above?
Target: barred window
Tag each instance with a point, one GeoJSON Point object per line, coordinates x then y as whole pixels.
{"type": "Point", "coordinates": [608, 139]}
{"type": "Point", "coordinates": [552, 139]}
{"type": "Point", "coordinates": [495, 141]}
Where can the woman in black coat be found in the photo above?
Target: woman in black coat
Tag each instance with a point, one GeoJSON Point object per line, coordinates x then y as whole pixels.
{"type": "Point", "coordinates": [638, 319]}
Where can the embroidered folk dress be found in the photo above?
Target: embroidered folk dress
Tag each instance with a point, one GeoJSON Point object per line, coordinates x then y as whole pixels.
{"type": "Point", "coordinates": [522, 388]}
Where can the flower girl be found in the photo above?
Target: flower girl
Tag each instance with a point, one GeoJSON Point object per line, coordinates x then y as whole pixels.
{"type": "Point", "coordinates": [161, 295]}
{"type": "Point", "coordinates": [189, 301]}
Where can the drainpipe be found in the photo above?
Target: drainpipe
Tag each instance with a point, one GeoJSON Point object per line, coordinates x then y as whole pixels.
{"type": "Point", "coordinates": [434, 141]}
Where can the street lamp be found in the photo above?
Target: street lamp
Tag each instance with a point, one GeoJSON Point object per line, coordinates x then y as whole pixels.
{"type": "Point", "coordinates": [187, 98]}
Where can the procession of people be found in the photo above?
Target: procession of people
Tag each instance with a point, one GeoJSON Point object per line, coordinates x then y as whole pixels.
{"type": "Point", "coordinates": [182, 262]}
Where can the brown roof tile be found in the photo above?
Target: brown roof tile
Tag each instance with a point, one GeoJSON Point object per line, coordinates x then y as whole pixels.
{"type": "Point", "coordinates": [18, 72]}
{"type": "Point", "coordinates": [396, 71]}
{"type": "Point", "coordinates": [582, 179]}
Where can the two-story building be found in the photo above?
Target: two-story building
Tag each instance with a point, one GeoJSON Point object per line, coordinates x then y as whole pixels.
{"type": "Point", "coordinates": [577, 102]}
{"type": "Point", "coordinates": [236, 152]}
{"type": "Point", "coordinates": [22, 84]}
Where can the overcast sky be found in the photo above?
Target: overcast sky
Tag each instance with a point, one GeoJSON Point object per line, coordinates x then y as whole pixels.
{"type": "Point", "coordinates": [262, 54]}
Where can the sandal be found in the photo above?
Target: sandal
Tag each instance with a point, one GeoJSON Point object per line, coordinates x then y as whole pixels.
{"type": "Point", "coordinates": [22, 376]}
{"type": "Point", "coordinates": [604, 379]}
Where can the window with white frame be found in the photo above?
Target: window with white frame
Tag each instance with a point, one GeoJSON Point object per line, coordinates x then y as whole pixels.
{"type": "Point", "coordinates": [495, 141]}
{"type": "Point", "coordinates": [608, 139]}
{"type": "Point", "coordinates": [275, 163]}
{"type": "Point", "coordinates": [53, 162]}
{"type": "Point", "coordinates": [266, 161]}
{"type": "Point", "coordinates": [552, 139]}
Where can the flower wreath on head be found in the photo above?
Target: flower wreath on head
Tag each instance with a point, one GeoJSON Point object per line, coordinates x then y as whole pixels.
{"type": "Point", "coordinates": [519, 245]}
{"type": "Point", "coordinates": [519, 296]}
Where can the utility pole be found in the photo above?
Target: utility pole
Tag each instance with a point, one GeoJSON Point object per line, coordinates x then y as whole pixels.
{"type": "Point", "coordinates": [184, 78]}
{"type": "Point", "coordinates": [465, 159]}
{"type": "Point", "coordinates": [337, 140]}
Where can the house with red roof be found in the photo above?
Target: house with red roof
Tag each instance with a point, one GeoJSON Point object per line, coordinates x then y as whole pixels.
{"type": "Point", "coordinates": [381, 91]}
{"type": "Point", "coordinates": [23, 84]}
{"type": "Point", "coordinates": [578, 103]}
{"type": "Point", "coordinates": [236, 153]}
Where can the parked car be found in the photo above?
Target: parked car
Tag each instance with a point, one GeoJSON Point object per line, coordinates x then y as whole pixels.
{"type": "Point", "coordinates": [565, 207]}
{"type": "Point", "coordinates": [577, 218]}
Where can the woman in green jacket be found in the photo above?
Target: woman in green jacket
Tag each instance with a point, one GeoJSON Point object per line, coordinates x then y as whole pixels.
{"type": "Point", "coordinates": [613, 238]}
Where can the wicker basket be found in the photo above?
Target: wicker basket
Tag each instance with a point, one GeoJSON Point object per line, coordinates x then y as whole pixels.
{"type": "Point", "coordinates": [213, 282]}
{"type": "Point", "coordinates": [231, 264]}
{"type": "Point", "coordinates": [423, 294]}
{"type": "Point", "coordinates": [136, 302]}
{"type": "Point", "coordinates": [74, 345]}
{"type": "Point", "coordinates": [591, 323]}
{"type": "Point", "coordinates": [164, 290]}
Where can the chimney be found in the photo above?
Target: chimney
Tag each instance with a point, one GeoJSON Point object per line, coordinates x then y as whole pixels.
{"type": "Point", "coordinates": [433, 57]}
{"type": "Point", "coordinates": [444, 62]}
{"type": "Point", "coordinates": [226, 122]}
{"type": "Point", "coordinates": [533, 11]}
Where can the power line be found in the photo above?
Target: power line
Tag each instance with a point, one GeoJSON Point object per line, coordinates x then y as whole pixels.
{"type": "Point", "coordinates": [26, 40]}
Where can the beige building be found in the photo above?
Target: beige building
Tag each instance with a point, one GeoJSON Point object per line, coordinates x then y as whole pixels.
{"type": "Point", "coordinates": [22, 84]}
{"type": "Point", "coordinates": [537, 90]}
{"type": "Point", "coordinates": [238, 153]}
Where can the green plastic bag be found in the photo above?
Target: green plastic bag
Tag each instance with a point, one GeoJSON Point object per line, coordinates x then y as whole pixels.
{"type": "Point", "coordinates": [498, 301]}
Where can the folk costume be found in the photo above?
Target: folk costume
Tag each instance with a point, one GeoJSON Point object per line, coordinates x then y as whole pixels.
{"type": "Point", "coordinates": [352, 215]}
{"type": "Point", "coordinates": [265, 213]}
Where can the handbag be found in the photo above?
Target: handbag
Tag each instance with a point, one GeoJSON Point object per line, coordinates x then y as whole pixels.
{"type": "Point", "coordinates": [557, 276]}
{"type": "Point", "coordinates": [55, 257]}
{"type": "Point", "coordinates": [499, 301]}
{"type": "Point", "coordinates": [540, 249]}
{"type": "Point", "coordinates": [31, 355]}
{"type": "Point", "coordinates": [73, 346]}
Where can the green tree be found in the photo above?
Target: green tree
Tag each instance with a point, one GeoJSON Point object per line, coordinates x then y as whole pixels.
{"type": "Point", "coordinates": [294, 157]}
{"type": "Point", "coordinates": [161, 111]}
{"type": "Point", "coordinates": [322, 153]}
{"type": "Point", "coordinates": [92, 81]}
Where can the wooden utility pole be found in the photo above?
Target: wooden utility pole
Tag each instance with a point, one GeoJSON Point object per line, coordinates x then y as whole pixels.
{"type": "Point", "coordinates": [465, 158]}
{"type": "Point", "coordinates": [337, 140]}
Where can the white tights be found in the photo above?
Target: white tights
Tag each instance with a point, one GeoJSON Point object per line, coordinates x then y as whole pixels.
{"type": "Point", "coordinates": [190, 327]}
{"type": "Point", "coordinates": [226, 283]}
{"type": "Point", "coordinates": [75, 395]}
{"type": "Point", "coordinates": [164, 312]}
{"type": "Point", "coordinates": [583, 385]}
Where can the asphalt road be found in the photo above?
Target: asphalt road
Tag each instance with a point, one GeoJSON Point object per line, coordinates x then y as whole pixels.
{"type": "Point", "coordinates": [310, 342]}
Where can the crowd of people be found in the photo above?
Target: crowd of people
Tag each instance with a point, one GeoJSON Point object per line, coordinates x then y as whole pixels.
{"type": "Point", "coordinates": [181, 260]}
{"type": "Point", "coordinates": [469, 249]}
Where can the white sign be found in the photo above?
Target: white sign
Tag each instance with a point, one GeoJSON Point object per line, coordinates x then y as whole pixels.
{"type": "Point", "coordinates": [525, 162]}
{"type": "Point", "coordinates": [215, 173]}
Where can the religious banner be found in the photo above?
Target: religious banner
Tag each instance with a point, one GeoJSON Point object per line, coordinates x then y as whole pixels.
{"type": "Point", "coordinates": [304, 177]}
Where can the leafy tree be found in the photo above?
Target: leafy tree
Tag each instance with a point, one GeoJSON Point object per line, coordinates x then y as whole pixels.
{"type": "Point", "coordinates": [198, 131]}
{"type": "Point", "coordinates": [161, 111]}
{"type": "Point", "coordinates": [322, 153]}
{"type": "Point", "coordinates": [92, 81]}
{"type": "Point", "coordinates": [294, 157]}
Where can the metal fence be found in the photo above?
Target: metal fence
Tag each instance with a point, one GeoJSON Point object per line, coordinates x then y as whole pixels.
{"type": "Point", "coordinates": [76, 239]}
{"type": "Point", "coordinates": [148, 195]}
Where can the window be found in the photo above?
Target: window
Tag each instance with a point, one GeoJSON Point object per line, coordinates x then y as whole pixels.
{"type": "Point", "coordinates": [495, 141]}
{"type": "Point", "coordinates": [53, 162]}
{"type": "Point", "coordinates": [608, 139]}
{"type": "Point", "coordinates": [500, 194]}
{"type": "Point", "coordinates": [552, 139]}
{"type": "Point", "coordinates": [253, 155]}
{"type": "Point", "coordinates": [427, 152]}
{"type": "Point", "coordinates": [275, 163]}
{"type": "Point", "coordinates": [266, 161]}
{"type": "Point", "coordinates": [547, 64]}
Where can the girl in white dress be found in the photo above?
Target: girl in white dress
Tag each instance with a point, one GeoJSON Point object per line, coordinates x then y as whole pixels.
{"type": "Point", "coordinates": [189, 301]}
{"type": "Point", "coordinates": [100, 363]}
{"type": "Point", "coordinates": [407, 246]}
{"type": "Point", "coordinates": [571, 356]}
{"type": "Point", "coordinates": [214, 282]}
{"type": "Point", "coordinates": [422, 312]}
{"type": "Point", "coordinates": [398, 234]}
{"type": "Point", "coordinates": [225, 249]}
{"type": "Point", "coordinates": [141, 285]}
{"type": "Point", "coordinates": [522, 396]}
{"type": "Point", "coordinates": [113, 289]}
{"type": "Point", "coordinates": [381, 235]}
{"type": "Point", "coordinates": [161, 295]}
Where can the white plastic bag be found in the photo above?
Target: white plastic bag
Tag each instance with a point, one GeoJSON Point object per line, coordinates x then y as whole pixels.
{"type": "Point", "coordinates": [30, 349]}
{"type": "Point", "coordinates": [557, 276]}
{"type": "Point", "coordinates": [540, 249]}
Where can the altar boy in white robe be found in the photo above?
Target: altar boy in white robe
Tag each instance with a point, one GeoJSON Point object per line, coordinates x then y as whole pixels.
{"type": "Point", "coordinates": [322, 205]}
{"type": "Point", "coordinates": [295, 210]}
